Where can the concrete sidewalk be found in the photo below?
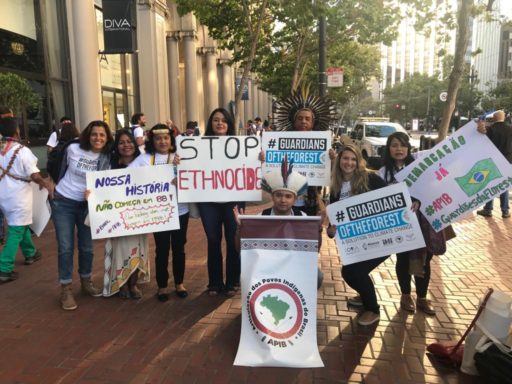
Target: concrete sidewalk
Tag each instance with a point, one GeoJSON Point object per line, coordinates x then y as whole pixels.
{"type": "Point", "coordinates": [194, 340]}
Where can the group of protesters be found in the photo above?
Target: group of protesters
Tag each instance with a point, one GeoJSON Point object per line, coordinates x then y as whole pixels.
{"type": "Point", "coordinates": [126, 258]}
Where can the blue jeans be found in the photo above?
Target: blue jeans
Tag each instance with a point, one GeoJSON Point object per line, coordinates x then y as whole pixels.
{"type": "Point", "coordinates": [213, 216]}
{"type": "Point", "coordinates": [503, 203]}
{"type": "Point", "coordinates": [68, 214]}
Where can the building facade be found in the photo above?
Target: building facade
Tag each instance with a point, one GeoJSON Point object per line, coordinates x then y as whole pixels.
{"type": "Point", "coordinates": [177, 73]}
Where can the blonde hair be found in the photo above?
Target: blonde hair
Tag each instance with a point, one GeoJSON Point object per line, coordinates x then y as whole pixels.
{"type": "Point", "coordinates": [359, 180]}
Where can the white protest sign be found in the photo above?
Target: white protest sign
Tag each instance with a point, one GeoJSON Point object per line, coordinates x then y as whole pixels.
{"type": "Point", "coordinates": [132, 201]}
{"type": "Point", "coordinates": [219, 168]}
{"type": "Point", "coordinates": [278, 289]}
{"type": "Point", "coordinates": [41, 211]}
{"type": "Point", "coordinates": [458, 175]}
{"type": "Point", "coordinates": [375, 224]}
{"type": "Point", "coordinates": [309, 152]}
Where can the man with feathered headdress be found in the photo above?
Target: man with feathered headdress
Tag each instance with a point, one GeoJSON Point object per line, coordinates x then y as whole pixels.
{"type": "Point", "coordinates": [303, 111]}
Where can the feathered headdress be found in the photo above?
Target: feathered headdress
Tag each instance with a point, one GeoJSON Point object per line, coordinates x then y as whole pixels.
{"type": "Point", "coordinates": [323, 110]}
{"type": "Point", "coordinates": [285, 180]}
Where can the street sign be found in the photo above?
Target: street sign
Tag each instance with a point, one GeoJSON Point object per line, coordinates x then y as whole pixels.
{"type": "Point", "coordinates": [443, 96]}
{"type": "Point", "coordinates": [334, 77]}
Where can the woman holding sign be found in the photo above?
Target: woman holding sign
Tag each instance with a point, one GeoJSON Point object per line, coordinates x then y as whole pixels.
{"type": "Point", "coordinates": [126, 257]}
{"type": "Point", "coordinates": [397, 155]}
{"type": "Point", "coordinates": [160, 149]}
{"type": "Point", "coordinates": [350, 177]}
{"type": "Point", "coordinates": [69, 207]}
{"type": "Point", "coordinates": [215, 215]}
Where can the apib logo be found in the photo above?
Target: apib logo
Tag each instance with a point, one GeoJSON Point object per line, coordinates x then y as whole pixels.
{"type": "Point", "coordinates": [277, 310]}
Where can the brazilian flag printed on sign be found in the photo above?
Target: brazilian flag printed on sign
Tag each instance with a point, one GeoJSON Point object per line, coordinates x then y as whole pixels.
{"type": "Point", "coordinates": [478, 177]}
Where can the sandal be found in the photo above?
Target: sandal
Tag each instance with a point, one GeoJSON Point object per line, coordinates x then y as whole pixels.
{"type": "Point", "coordinates": [124, 293]}
{"type": "Point", "coordinates": [181, 291]}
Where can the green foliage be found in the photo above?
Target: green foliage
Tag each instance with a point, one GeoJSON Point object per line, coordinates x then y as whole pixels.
{"type": "Point", "coordinates": [499, 98]}
{"type": "Point", "coordinates": [231, 23]}
{"type": "Point", "coordinates": [16, 93]}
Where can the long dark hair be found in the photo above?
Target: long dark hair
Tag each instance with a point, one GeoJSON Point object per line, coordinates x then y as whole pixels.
{"type": "Point", "coordinates": [149, 147]}
{"type": "Point", "coordinates": [85, 136]}
{"type": "Point", "coordinates": [115, 151]}
{"type": "Point", "coordinates": [390, 168]}
{"type": "Point", "coordinates": [229, 121]}
{"type": "Point", "coordinates": [68, 132]}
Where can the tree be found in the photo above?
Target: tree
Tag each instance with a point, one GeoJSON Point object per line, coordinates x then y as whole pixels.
{"type": "Point", "coordinates": [16, 93]}
{"type": "Point", "coordinates": [499, 98]}
{"type": "Point", "coordinates": [241, 26]}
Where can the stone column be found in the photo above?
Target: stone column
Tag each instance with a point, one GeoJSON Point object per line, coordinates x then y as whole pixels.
{"type": "Point", "coordinates": [212, 82]}
{"type": "Point", "coordinates": [85, 62]}
{"type": "Point", "coordinates": [227, 79]}
{"type": "Point", "coordinates": [173, 61]}
{"type": "Point", "coordinates": [189, 49]}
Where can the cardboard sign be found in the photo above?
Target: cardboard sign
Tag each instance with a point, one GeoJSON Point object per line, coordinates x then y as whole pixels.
{"type": "Point", "coordinates": [41, 211]}
{"type": "Point", "coordinates": [132, 201]}
{"type": "Point", "coordinates": [375, 224]}
{"type": "Point", "coordinates": [219, 168]}
{"type": "Point", "coordinates": [309, 152]}
{"type": "Point", "coordinates": [458, 175]}
{"type": "Point", "coordinates": [279, 276]}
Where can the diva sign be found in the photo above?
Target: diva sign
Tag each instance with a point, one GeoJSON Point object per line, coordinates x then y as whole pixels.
{"type": "Point", "coordinates": [219, 169]}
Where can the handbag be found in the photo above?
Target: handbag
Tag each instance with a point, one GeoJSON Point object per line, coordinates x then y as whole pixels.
{"type": "Point", "coordinates": [494, 363]}
{"type": "Point", "coordinates": [451, 353]}
{"type": "Point", "coordinates": [434, 241]}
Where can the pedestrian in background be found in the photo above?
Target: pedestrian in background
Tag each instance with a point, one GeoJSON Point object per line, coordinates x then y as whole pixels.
{"type": "Point", "coordinates": [54, 138]}
{"type": "Point", "coordinates": [500, 133]}
{"type": "Point", "coordinates": [138, 122]}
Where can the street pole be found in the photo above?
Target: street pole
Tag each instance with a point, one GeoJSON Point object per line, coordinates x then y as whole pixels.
{"type": "Point", "coordinates": [428, 107]}
{"type": "Point", "coordinates": [322, 80]}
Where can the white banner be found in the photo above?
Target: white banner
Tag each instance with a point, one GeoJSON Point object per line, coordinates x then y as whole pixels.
{"type": "Point", "coordinates": [132, 201]}
{"type": "Point", "coordinates": [458, 175]}
{"type": "Point", "coordinates": [309, 152]}
{"type": "Point", "coordinates": [375, 224]}
{"type": "Point", "coordinates": [219, 168]}
{"type": "Point", "coordinates": [279, 276]}
{"type": "Point", "coordinates": [41, 211]}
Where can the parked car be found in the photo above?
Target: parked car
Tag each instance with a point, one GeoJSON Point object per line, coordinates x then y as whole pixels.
{"type": "Point", "coordinates": [371, 136]}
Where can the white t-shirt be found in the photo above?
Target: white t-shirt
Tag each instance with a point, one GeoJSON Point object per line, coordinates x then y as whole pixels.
{"type": "Point", "coordinates": [138, 131]}
{"type": "Point", "coordinates": [73, 184]}
{"type": "Point", "coordinates": [144, 159]}
{"type": "Point", "coordinates": [16, 198]}
{"type": "Point", "coordinates": [52, 140]}
{"type": "Point", "coordinates": [346, 188]}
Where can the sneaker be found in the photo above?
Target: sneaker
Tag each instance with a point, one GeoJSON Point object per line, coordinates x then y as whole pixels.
{"type": "Point", "coordinates": [368, 318]}
{"type": "Point", "coordinates": [67, 301]}
{"type": "Point", "coordinates": [406, 303]}
{"type": "Point", "coordinates": [484, 212]}
{"type": "Point", "coordinates": [6, 277]}
{"type": "Point", "coordinates": [31, 260]}
{"type": "Point", "coordinates": [355, 301]}
{"type": "Point", "coordinates": [505, 215]}
{"type": "Point", "coordinates": [88, 287]}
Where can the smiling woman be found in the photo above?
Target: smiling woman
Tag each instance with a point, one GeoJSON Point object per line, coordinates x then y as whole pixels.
{"type": "Point", "coordinates": [69, 207]}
